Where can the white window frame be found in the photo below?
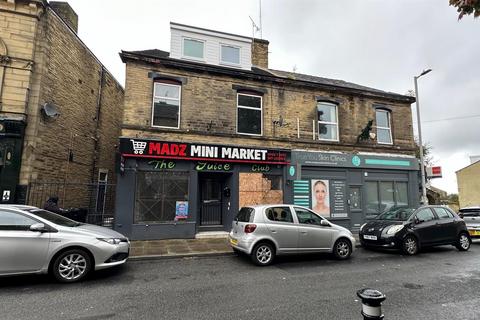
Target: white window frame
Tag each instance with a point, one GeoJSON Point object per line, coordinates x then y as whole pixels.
{"type": "Point", "coordinates": [327, 122]}
{"type": "Point", "coordinates": [184, 56]}
{"type": "Point", "coordinates": [384, 128]}
{"type": "Point", "coordinates": [167, 98]}
{"type": "Point", "coordinates": [227, 62]}
{"type": "Point", "coordinates": [245, 107]}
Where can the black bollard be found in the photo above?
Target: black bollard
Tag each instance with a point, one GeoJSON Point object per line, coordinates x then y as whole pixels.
{"type": "Point", "coordinates": [371, 303]}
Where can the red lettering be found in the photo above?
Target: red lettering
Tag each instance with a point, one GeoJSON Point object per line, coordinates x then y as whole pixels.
{"type": "Point", "coordinates": [182, 151]}
{"type": "Point", "coordinates": [174, 149]}
{"type": "Point", "coordinates": [165, 149]}
{"type": "Point", "coordinates": [154, 147]}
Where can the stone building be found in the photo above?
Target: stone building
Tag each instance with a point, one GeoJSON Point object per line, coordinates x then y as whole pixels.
{"type": "Point", "coordinates": [468, 180]}
{"type": "Point", "coordinates": [60, 108]}
{"type": "Point", "coordinates": [209, 128]}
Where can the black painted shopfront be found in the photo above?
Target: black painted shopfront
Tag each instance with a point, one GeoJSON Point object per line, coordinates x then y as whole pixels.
{"type": "Point", "coordinates": [175, 190]}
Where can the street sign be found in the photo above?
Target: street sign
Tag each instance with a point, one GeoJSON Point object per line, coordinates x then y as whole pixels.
{"type": "Point", "coordinates": [434, 172]}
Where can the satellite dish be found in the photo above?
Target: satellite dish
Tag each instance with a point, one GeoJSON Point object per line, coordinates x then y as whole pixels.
{"type": "Point", "coordinates": [50, 110]}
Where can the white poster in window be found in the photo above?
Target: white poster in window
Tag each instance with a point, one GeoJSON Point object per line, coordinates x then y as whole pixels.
{"type": "Point", "coordinates": [321, 197]}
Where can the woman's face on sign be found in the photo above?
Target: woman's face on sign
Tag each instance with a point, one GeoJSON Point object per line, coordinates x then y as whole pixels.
{"type": "Point", "coordinates": [320, 192]}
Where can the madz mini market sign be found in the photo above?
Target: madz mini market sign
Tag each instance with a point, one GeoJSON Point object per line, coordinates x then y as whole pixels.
{"type": "Point", "coordinates": [140, 148]}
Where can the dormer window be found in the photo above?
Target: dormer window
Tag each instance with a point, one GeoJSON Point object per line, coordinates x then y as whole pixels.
{"type": "Point", "coordinates": [230, 54]}
{"type": "Point", "coordinates": [193, 48]}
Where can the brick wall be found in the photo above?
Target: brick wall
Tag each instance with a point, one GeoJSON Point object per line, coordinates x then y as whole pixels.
{"type": "Point", "coordinates": [208, 113]}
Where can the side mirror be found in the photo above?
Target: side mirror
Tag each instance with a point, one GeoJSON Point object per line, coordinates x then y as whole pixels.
{"type": "Point", "coordinates": [416, 220]}
{"type": "Point", "coordinates": [39, 227]}
{"type": "Point", "coordinates": [324, 223]}
{"type": "Point", "coordinates": [460, 215]}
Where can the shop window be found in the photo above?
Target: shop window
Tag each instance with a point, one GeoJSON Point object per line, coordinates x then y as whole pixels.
{"type": "Point", "coordinates": [157, 194]}
{"type": "Point", "coordinates": [249, 114]}
{"type": "Point", "coordinates": [166, 105]}
{"type": "Point", "coordinates": [327, 121]}
{"type": "Point", "coordinates": [384, 131]}
{"type": "Point", "coordinates": [258, 188]}
{"type": "Point", "coordinates": [383, 195]}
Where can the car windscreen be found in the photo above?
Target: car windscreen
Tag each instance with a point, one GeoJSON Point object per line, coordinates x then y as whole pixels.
{"type": "Point", "coordinates": [245, 215]}
{"type": "Point", "coordinates": [470, 212]}
{"type": "Point", "coordinates": [54, 218]}
{"type": "Point", "coordinates": [397, 214]}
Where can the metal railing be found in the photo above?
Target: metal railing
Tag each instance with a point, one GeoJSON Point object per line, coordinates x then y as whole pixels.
{"type": "Point", "coordinates": [95, 200]}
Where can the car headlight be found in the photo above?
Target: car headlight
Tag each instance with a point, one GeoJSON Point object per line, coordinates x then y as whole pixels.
{"type": "Point", "coordinates": [111, 240]}
{"type": "Point", "coordinates": [363, 225]}
{"type": "Point", "coordinates": [394, 229]}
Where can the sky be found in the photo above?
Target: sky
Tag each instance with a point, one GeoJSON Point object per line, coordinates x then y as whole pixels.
{"type": "Point", "coordinates": [376, 43]}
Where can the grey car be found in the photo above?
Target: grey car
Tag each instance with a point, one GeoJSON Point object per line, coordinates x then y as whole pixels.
{"type": "Point", "coordinates": [471, 216]}
{"type": "Point", "coordinates": [34, 240]}
{"type": "Point", "coordinates": [265, 231]}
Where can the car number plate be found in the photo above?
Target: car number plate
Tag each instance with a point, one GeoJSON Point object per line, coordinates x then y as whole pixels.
{"type": "Point", "coordinates": [233, 241]}
{"type": "Point", "coordinates": [368, 237]}
{"type": "Point", "coordinates": [474, 232]}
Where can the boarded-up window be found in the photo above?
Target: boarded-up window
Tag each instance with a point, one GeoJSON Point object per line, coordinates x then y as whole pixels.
{"type": "Point", "coordinates": [259, 188]}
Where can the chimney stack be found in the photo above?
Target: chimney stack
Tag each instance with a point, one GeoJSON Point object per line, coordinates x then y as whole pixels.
{"type": "Point", "coordinates": [65, 12]}
{"type": "Point", "coordinates": [260, 53]}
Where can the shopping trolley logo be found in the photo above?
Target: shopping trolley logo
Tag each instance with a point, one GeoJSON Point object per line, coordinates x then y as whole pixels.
{"type": "Point", "coordinates": [138, 146]}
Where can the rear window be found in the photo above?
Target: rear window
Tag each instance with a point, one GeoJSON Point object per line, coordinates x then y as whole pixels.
{"type": "Point", "coordinates": [470, 212]}
{"type": "Point", "coordinates": [245, 215]}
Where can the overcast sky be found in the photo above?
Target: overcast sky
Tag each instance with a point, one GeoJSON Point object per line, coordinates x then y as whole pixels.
{"type": "Point", "coordinates": [377, 43]}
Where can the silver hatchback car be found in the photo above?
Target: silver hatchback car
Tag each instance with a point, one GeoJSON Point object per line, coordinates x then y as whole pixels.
{"type": "Point", "coordinates": [265, 231]}
{"type": "Point", "coordinates": [34, 240]}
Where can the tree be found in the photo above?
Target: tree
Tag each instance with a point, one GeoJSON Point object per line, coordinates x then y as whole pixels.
{"type": "Point", "coordinates": [466, 7]}
{"type": "Point", "coordinates": [427, 153]}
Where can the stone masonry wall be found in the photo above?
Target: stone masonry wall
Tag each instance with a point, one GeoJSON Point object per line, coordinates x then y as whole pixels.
{"type": "Point", "coordinates": [209, 106]}
{"type": "Point", "coordinates": [468, 180]}
{"type": "Point", "coordinates": [71, 81]}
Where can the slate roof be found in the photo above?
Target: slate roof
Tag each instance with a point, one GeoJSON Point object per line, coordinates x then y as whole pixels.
{"type": "Point", "coordinates": [160, 54]}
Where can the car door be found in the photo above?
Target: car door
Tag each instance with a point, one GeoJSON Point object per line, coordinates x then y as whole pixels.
{"type": "Point", "coordinates": [447, 229]}
{"type": "Point", "coordinates": [427, 227]}
{"type": "Point", "coordinates": [279, 222]}
{"type": "Point", "coordinates": [21, 250]}
{"type": "Point", "coordinates": [312, 236]}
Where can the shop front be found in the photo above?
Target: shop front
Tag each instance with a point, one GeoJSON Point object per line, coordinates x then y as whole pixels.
{"type": "Point", "coordinates": [347, 188]}
{"type": "Point", "coordinates": [170, 189]}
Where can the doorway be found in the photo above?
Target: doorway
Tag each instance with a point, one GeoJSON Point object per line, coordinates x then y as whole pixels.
{"type": "Point", "coordinates": [212, 188]}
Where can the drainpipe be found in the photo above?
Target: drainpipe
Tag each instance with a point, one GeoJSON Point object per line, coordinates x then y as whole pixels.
{"type": "Point", "coordinates": [101, 83]}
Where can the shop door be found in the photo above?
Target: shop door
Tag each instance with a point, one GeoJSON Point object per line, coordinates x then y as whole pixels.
{"type": "Point", "coordinates": [211, 201]}
{"type": "Point", "coordinates": [355, 207]}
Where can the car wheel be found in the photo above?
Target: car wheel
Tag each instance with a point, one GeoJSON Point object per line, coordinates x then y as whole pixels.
{"type": "Point", "coordinates": [342, 249]}
{"type": "Point", "coordinates": [263, 254]}
{"type": "Point", "coordinates": [463, 242]}
{"type": "Point", "coordinates": [71, 266]}
{"type": "Point", "coordinates": [410, 245]}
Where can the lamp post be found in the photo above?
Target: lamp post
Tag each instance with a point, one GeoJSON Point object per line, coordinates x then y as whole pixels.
{"type": "Point", "coordinates": [424, 199]}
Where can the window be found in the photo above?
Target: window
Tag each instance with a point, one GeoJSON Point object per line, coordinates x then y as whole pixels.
{"type": "Point", "coordinates": [384, 131]}
{"type": "Point", "coordinates": [166, 105]}
{"type": "Point", "coordinates": [384, 195]}
{"type": "Point", "coordinates": [441, 213]}
{"type": "Point", "coordinates": [307, 217]}
{"type": "Point", "coordinates": [193, 48]}
{"type": "Point", "coordinates": [245, 214]}
{"type": "Point", "coordinates": [327, 121]}
{"type": "Point", "coordinates": [280, 214]}
{"type": "Point", "coordinates": [249, 114]}
{"type": "Point", "coordinates": [425, 215]}
{"type": "Point", "coordinates": [230, 54]}
{"type": "Point", "coordinates": [157, 193]}
{"type": "Point", "coordinates": [14, 221]}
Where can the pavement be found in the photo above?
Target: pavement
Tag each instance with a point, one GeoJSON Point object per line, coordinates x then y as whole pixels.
{"type": "Point", "coordinates": [205, 244]}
